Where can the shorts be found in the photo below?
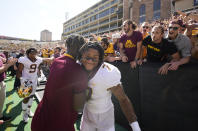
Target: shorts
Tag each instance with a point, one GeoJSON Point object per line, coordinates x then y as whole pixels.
{"type": "Point", "coordinates": [98, 121]}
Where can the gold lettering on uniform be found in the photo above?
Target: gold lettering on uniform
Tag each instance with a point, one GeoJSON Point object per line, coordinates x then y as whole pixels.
{"type": "Point", "coordinates": [129, 44]}
{"type": "Point", "coordinates": [107, 67]}
{"type": "Point", "coordinates": [153, 48]}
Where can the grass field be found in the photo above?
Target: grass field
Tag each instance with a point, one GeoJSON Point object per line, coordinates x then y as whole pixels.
{"type": "Point", "coordinates": [12, 107]}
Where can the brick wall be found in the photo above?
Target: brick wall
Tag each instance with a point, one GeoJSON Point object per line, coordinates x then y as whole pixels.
{"type": "Point", "coordinates": [125, 9]}
{"type": "Point", "coordinates": [165, 9]}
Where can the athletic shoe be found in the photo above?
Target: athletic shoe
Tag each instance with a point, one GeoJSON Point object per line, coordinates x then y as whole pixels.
{"type": "Point", "coordinates": [5, 119]}
{"type": "Point", "coordinates": [25, 118]}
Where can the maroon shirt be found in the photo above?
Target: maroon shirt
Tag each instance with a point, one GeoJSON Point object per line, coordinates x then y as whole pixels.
{"type": "Point", "coordinates": [130, 44]}
{"type": "Point", "coordinates": [55, 111]}
{"type": "Point", "coordinates": [2, 75]}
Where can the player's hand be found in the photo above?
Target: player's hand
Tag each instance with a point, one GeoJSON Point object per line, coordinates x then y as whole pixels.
{"type": "Point", "coordinates": [3, 59]}
{"type": "Point", "coordinates": [15, 67]}
{"type": "Point", "coordinates": [124, 58]}
{"type": "Point", "coordinates": [135, 126]}
{"type": "Point", "coordinates": [12, 61]}
{"type": "Point", "coordinates": [51, 59]}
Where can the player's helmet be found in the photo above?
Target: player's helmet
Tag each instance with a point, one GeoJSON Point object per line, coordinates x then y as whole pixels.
{"type": "Point", "coordinates": [25, 89]}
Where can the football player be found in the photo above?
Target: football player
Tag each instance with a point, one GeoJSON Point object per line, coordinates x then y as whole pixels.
{"type": "Point", "coordinates": [28, 74]}
{"type": "Point", "coordinates": [104, 80]}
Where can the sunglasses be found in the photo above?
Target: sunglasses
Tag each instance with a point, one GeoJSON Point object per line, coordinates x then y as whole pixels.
{"type": "Point", "coordinates": [174, 28]}
{"type": "Point", "coordinates": [89, 58]}
{"type": "Point", "coordinates": [145, 27]}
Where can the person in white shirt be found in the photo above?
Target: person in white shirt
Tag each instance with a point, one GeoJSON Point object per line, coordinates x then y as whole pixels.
{"type": "Point", "coordinates": [104, 80]}
{"type": "Point", "coordinates": [28, 74]}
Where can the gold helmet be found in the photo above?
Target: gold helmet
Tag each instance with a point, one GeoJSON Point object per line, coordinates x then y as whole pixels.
{"type": "Point", "coordinates": [25, 89]}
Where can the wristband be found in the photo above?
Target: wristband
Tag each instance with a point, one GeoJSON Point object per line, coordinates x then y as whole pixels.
{"type": "Point", "coordinates": [135, 126]}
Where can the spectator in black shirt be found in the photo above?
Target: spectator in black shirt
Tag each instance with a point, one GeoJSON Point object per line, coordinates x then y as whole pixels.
{"type": "Point", "coordinates": [159, 49]}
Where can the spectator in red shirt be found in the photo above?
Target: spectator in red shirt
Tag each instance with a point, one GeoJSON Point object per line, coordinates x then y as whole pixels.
{"type": "Point", "coordinates": [131, 43]}
{"type": "Point", "coordinates": [64, 92]}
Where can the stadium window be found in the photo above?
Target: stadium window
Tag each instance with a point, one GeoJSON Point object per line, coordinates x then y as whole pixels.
{"type": "Point", "coordinates": [142, 12]}
{"type": "Point", "coordinates": [195, 2]}
{"type": "Point", "coordinates": [92, 18]}
{"type": "Point", "coordinates": [104, 13]}
{"type": "Point", "coordinates": [102, 7]}
{"type": "Point", "coordinates": [112, 9]}
{"type": "Point", "coordinates": [156, 9]}
{"type": "Point", "coordinates": [96, 16]}
{"type": "Point", "coordinates": [114, 1]}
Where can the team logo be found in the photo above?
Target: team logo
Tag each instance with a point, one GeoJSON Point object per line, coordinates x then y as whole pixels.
{"type": "Point", "coordinates": [129, 44]}
{"type": "Point", "coordinates": [25, 89]}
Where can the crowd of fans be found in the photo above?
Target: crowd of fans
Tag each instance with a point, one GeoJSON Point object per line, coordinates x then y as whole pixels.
{"type": "Point", "coordinates": [174, 41]}
{"type": "Point", "coordinates": [132, 44]}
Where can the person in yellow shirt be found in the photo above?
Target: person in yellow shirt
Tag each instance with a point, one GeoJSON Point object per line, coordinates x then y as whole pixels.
{"type": "Point", "coordinates": [50, 52]}
{"type": "Point", "coordinates": [45, 53]}
{"type": "Point", "coordinates": [96, 38]}
{"type": "Point", "coordinates": [194, 40]}
{"type": "Point", "coordinates": [109, 52]}
{"type": "Point", "coordinates": [108, 47]}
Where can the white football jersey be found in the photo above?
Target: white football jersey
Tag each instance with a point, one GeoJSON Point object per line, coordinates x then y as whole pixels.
{"type": "Point", "coordinates": [30, 69]}
{"type": "Point", "coordinates": [106, 77]}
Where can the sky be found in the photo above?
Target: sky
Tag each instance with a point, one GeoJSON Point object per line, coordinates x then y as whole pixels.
{"type": "Point", "coordinates": [27, 18]}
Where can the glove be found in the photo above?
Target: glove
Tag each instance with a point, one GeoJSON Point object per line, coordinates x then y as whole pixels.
{"type": "Point", "coordinates": [135, 126]}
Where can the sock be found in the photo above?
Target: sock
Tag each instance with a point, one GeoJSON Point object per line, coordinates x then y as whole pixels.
{"type": "Point", "coordinates": [30, 102]}
{"type": "Point", "coordinates": [24, 106]}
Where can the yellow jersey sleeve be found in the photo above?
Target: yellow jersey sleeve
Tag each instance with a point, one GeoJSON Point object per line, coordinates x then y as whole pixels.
{"type": "Point", "coordinates": [109, 50]}
{"type": "Point", "coordinates": [44, 53]}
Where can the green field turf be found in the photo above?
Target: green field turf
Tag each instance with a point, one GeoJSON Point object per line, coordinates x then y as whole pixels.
{"type": "Point", "coordinates": [12, 107]}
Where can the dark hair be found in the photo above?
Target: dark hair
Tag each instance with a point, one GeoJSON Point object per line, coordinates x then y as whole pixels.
{"type": "Point", "coordinates": [74, 40]}
{"type": "Point", "coordinates": [30, 50]}
{"type": "Point", "coordinates": [105, 40]}
{"type": "Point", "coordinates": [93, 45]}
{"type": "Point", "coordinates": [58, 48]}
{"type": "Point", "coordinates": [130, 22]}
{"type": "Point", "coordinates": [178, 22]}
{"type": "Point", "coordinates": [160, 27]}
